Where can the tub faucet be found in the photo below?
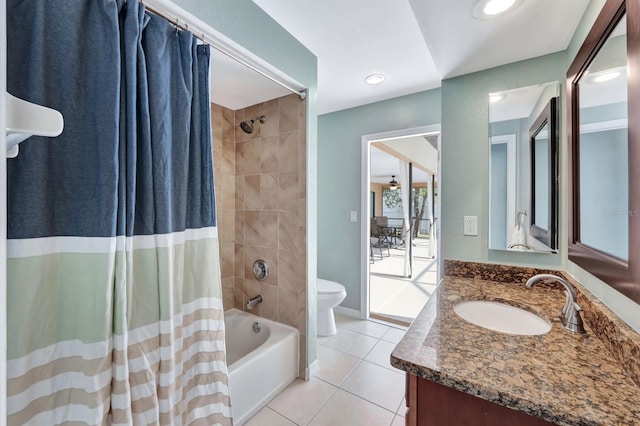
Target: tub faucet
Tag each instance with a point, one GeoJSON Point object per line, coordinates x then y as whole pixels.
{"type": "Point", "coordinates": [254, 301]}
{"type": "Point", "coordinates": [571, 312]}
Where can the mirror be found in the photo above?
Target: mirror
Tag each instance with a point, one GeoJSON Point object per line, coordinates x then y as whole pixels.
{"type": "Point", "coordinates": [543, 136]}
{"type": "Point", "coordinates": [604, 157]}
{"type": "Point", "coordinates": [523, 164]}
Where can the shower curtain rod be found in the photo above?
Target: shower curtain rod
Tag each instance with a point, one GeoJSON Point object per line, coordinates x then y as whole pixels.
{"type": "Point", "coordinates": [201, 31]}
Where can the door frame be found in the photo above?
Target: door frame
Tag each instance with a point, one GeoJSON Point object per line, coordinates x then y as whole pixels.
{"type": "Point", "coordinates": [365, 188]}
{"type": "Point", "coordinates": [510, 141]}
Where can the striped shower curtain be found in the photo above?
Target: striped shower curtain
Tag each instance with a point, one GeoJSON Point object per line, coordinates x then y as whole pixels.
{"type": "Point", "coordinates": [114, 294]}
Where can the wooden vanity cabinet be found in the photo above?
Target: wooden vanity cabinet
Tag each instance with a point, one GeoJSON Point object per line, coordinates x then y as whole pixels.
{"type": "Point", "coordinates": [433, 404]}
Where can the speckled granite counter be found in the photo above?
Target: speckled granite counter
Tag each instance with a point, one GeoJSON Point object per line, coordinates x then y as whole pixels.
{"type": "Point", "coordinates": [561, 377]}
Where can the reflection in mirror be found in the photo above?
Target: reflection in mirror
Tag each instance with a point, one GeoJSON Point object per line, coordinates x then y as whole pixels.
{"type": "Point", "coordinates": [512, 114]}
{"type": "Point", "coordinates": [540, 147]}
{"type": "Point", "coordinates": [604, 169]}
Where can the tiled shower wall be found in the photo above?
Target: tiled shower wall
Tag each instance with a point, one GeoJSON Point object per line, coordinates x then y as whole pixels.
{"type": "Point", "coordinates": [261, 196]}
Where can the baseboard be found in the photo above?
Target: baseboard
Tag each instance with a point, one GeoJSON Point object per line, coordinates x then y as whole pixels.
{"type": "Point", "coordinates": [348, 312]}
{"type": "Point", "coordinates": [311, 371]}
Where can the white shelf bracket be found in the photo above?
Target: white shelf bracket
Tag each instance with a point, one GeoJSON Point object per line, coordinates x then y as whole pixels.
{"type": "Point", "coordinates": [25, 119]}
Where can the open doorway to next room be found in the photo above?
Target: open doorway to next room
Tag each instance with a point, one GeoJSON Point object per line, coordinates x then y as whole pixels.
{"type": "Point", "coordinates": [403, 188]}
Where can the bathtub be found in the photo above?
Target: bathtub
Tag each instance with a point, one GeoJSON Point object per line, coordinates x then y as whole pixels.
{"type": "Point", "coordinates": [260, 364]}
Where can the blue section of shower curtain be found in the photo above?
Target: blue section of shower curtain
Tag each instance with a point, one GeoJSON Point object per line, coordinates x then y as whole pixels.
{"type": "Point", "coordinates": [65, 185]}
{"type": "Point", "coordinates": [138, 162]}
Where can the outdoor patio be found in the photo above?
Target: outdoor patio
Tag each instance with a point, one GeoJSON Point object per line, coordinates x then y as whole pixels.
{"type": "Point", "coordinates": [395, 297]}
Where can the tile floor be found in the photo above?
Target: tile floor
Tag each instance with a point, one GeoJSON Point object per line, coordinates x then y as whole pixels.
{"type": "Point", "coordinates": [393, 296]}
{"type": "Point", "coordinates": [355, 384]}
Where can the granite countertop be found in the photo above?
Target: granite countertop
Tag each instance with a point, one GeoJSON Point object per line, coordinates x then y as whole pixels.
{"type": "Point", "coordinates": [561, 377]}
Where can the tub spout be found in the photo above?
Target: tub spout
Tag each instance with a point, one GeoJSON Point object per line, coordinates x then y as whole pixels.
{"type": "Point", "coordinates": [254, 301]}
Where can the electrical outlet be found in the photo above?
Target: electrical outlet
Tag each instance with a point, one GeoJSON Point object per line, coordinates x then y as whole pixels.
{"type": "Point", "coordinates": [354, 216]}
{"type": "Point", "coordinates": [470, 225]}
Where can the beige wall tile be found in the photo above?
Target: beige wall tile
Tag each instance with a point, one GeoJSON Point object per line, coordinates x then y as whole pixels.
{"type": "Point", "coordinates": [269, 191]}
{"type": "Point", "coordinates": [227, 259]}
{"type": "Point", "coordinates": [302, 212]}
{"type": "Point", "coordinates": [290, 269]}
{"type": "Point", "coordinates": [291, 308]}
{"type": "Point", "coordinates": [225, 223]}
{"type": "Point", "coordinates": [227, 122]}
{"type": "Point", "coordinates": [289, 113]}
{"type": "Point", "coordinates": [238, 294]}
{"type": "Point", "coordinates": [269, 154]}
{"type": "Point", "coordinates": [239, 262]}
{"type": "Point", "coordinates": [269, 305]}
{"type": "Point", "coordinates": [288, 191]}
{"type": "Point", "coordinates": [252, 192]}
{"type": "Point", "coordinates": [271, 125]}
{"type": "Point", "coordinates": [252, 228]}
{"type": "Point", "coordinates": [288, 152]}
{"type": "Point", "coordinates": [252, 157]}
{"type": "Point", "coordinates": [227, 164]}
{"type": "Point", "coordinates": [228, 301]}
{"type": "Point", "coordinates": [269, 229]}
{"type": "Point", "coordinates": [226, 188]}
{"type": "Point", "coordinates": [287, 231]}
{"type": "Point", "coordinates": [239, 193]}
{"type": "Point", "coordinates": [240, 154]}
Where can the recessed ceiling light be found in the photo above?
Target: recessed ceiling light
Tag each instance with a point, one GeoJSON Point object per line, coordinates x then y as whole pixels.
{"type": "Point", "coordinates": [605, 76]}
{"type": "Point", "coordinates": [496, 97]}
{"type": "Point", "coordinates": [494, 7]}
{"type": "Point", "coordinates": [375, 79]}
{"type": "Point", "coordinates": [486, 9]}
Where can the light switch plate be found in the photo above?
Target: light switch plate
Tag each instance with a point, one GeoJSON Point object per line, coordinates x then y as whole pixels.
{"type": "Point", "coordinates": [354, 216]}
{"type": "Point", "coordinates": [470, 225]}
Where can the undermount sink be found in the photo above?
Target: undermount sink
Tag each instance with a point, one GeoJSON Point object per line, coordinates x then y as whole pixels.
{"type": "Point", "coordinates": [502, 317]}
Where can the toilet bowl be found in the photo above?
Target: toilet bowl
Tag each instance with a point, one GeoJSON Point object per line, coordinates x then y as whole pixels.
{"type": "Point", "coordinates": [330, 294]}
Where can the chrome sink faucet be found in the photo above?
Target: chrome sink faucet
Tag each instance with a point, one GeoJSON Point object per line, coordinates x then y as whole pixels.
{"type": "Point", "coordinates": [571, 312]}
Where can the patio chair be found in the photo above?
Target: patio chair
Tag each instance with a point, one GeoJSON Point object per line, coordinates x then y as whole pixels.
{"type": "Point", "coordinates": [378, 240]}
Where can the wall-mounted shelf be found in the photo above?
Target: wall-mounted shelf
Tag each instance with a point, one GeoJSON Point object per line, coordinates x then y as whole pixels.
{"type": "Point", "coordinates": [25, 119]}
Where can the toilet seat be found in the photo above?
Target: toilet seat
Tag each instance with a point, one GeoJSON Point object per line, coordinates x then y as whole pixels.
{"type": "Point", "coordinates": [328, 287]}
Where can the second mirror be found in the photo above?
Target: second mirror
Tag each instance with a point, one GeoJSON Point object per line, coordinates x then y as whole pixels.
{"type": "Point", "coordinates": [523, 152]}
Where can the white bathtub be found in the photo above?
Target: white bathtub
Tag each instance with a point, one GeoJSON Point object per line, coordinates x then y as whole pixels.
{"type": "Point", "coordinates": [261, 364]}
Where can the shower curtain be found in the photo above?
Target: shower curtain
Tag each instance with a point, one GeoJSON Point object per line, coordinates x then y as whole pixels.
{"type": "Point", "coordinates": [114, 294]}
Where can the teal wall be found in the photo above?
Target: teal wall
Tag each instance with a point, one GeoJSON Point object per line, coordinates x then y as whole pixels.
{"type": "Point", "coordinates": [249, 26]}
{"type": "Point", "coordinates": [339, 179]}
{"type": "Point", "coordinates": [465, 157]}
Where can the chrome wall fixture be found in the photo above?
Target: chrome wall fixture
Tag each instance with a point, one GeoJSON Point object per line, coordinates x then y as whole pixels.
{"type": "Point", "coordinates": [260, 269]}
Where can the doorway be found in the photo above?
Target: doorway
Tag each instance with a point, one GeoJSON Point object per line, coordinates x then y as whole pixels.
{"type": "Point", "coordinates": [399, 238]}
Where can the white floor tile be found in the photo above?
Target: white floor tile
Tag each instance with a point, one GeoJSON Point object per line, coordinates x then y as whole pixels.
{"type": "Point", "coordinates": [402, 409]}
{"type": "Point", "coordinates": [350, 342]}
{"type": "Point", "coordinates": [393, 335]}
{"type": "Point", "coordinates": [381, 354]}
{"type": "Point", "coordinates": [346, 409]}
{"type": "Point", "coordinates": [334, 366]}
{"type": "Point", "coordinates": [376, 384]}
{"type": "Point", "coordinates": [269, 417]}
{"type": "Point", "coordinates": [302, 400]}
{"type": "Point", "coordinates": [366, 327]}
{"type": "Point", "coordinates": [398, 421]}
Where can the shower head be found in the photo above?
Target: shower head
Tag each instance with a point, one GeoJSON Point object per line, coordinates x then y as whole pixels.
{"type": "Point", "coordinates": [247, 126]}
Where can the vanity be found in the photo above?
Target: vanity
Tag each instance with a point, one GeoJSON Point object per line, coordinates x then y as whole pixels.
{"type": "Point", "coordinates": [461, 374]}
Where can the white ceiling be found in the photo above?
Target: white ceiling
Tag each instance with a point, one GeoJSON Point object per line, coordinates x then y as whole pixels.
{"type": "Point", "coordinates": [236, 86]}
{"type": "Point", "coordinates": [415, 43]}
{"type": "Point", "coordinates": [385, 165]}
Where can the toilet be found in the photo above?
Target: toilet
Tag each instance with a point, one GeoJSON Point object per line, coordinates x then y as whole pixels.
{"type": "Point", "coordinates": [330, 294]}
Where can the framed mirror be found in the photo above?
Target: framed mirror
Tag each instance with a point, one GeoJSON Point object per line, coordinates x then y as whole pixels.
{"type": "Point", "coordinates": [543, 139]}
{"type": "Point", "coordinates": [523, 186]}
{"type": "Point", "coordinates": [604, 118]}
